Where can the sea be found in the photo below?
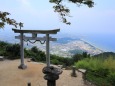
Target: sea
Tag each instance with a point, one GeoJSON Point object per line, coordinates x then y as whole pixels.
{"type": "Point", "coordinates": [105, 42]}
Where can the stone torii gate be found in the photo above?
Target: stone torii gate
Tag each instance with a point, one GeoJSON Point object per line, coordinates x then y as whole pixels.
{"type": "Point", "coordinates": [34, 33]}
{"type": "Point", "coordinates": [51, 73]}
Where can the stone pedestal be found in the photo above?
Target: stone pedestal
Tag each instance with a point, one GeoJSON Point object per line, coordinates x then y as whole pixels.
{"type": "Point", "coordinates": [73, 74]}
{"type": "Point", "coordinates": [29, 84]}
{"type": "Point", "coordinates": [52, 74]}
{"type": "Point", "coordinates": [22, 66]}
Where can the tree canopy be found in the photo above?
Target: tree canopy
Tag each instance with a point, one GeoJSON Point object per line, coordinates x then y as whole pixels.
{"type": "Point", "coordinates": [6, 20]}
{"type": "Point", "coordinates": [58, 7]}
{"type": "Point", "coordinates": [64, 11]}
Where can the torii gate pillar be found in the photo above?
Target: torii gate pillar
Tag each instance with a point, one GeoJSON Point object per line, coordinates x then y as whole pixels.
{"type": "Point", "coordinates": [22, 65]}
{"type": "Point", "coordinates": [47, 50]}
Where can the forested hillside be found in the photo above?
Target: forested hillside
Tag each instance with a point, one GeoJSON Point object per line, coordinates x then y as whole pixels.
{"type": "Point", "coordinates": [105, 55]}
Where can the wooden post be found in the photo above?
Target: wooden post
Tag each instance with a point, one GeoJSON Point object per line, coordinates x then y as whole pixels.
{"type": "Point", "coordinates": [47, 50]}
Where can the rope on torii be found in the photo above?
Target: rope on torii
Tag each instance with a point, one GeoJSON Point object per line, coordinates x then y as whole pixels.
{"type": "Point", "coordinates": [34, 41]}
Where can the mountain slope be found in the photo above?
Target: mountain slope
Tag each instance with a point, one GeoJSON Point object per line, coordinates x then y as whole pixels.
{"type": "Point", "coordinates": [72, 47]}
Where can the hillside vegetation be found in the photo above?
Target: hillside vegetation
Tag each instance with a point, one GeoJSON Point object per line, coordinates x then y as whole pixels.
{"type": "Point", "coordinates": [99, 71]}
{"type": "Point", "coordinates": [105, 55]}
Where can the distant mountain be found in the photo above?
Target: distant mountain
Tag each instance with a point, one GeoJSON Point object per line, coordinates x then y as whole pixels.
{"type": "Point", "coordinates": [67, 47]}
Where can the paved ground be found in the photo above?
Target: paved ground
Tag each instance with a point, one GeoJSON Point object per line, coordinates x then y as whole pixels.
{"type": "Point", "coordinates": [10, 75]}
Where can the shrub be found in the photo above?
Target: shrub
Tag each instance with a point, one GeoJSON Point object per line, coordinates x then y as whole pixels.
{"type": "Point", "coordinates": [98, 81]}
{"type": "Point", "coordinates": [62, 60]}
{"type": "Point", "coordinates": [99, 71]}
{"type": "Point", "coordinates": [89, 64]}
{"type": "Point", "coordinates": [80, 64]}
{"type": "Point", "coordinates": [55, 61]}
{"type": "Point", "coordinates": [34, 49]}
{"type": "Point", "coordinates": [13, 51]}
{"type": "Point", "coordinates": [110, 63]}
{"type": "Point", "coordinates": [111, 78]}
{"type": "Point", "coordinates": [3, 48]}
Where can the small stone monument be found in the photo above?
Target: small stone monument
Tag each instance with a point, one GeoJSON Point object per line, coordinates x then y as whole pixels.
{"type": "Point", "coordinates": [73, 74]}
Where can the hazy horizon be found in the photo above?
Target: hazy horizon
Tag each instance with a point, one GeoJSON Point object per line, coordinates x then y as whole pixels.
{"type": "Point", "coordinates": [103, 42]}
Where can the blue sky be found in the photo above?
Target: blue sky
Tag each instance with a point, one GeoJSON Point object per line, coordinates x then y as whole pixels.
{"type": "Point", "coordinates": [86, 22]}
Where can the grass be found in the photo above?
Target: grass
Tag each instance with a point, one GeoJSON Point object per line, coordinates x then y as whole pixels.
{"type": "Point", "coordinates": [99, 71]}
{"type": "Point", "coordinates": [97, 81]}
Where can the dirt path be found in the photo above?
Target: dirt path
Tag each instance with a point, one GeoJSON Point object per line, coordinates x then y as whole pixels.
{"type": "Point", "coordinates": [10, 75]}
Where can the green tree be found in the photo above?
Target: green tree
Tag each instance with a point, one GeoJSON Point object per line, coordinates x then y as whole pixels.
{"type": "Point", "coordinates": [13, 51]}
{"type": "Point", "coordinates": [77, 57]}
{"type": "Point", "coordinates": [86, 55]}
{"type": "Point", "coordinates": [34, 49]}
{"type": "Point", "coordinates": [3, 47]}
{"type": "Point", "coordinates": [4, 19]}
{"type": "Point", "coordinates": [36, 54]}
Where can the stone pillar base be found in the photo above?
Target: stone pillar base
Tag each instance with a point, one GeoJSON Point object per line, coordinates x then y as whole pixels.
{"type": "Point", "coordinates": [73, 74]}
{"type": "Point", "coordinates": [22, 66]}
{"type": "Point", "coordinates": [51, 83]}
